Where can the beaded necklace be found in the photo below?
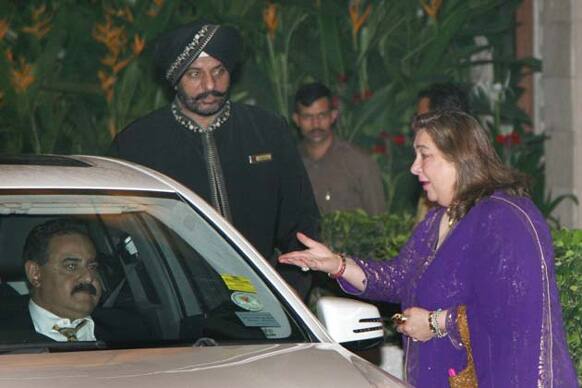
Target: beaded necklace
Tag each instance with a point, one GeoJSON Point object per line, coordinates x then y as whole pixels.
{"type": "Point", "coordinates": [192, 125]}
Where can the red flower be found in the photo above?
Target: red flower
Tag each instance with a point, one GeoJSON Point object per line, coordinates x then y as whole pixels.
{"type": "Point", "coordinates": [342, 78]}
{"type": "Point", "coordinates": [515, 138]}
{"type": "Point", "coordinates": [383, 135]}
{"type": "Point", "coordinates": [335, 102]}
{"type": "Point", "coordinates": [379, 149]}
{"type": "Point", "coordinates": [363, 96]}
{"type": "Point", "coordinates": [512, 138]}
{"type": "Point", "coordinates": [399, 139]}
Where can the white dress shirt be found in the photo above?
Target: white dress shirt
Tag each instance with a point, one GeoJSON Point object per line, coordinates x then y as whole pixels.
{"type": "Point", "coordinates": [44, 321]}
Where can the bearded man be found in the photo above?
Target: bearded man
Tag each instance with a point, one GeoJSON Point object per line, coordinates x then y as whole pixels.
{"type": "Point", "coordinates": [240, 158]}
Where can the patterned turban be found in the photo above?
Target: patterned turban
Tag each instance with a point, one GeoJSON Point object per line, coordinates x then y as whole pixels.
{"type": "Point", "coordinates": [176, 50]}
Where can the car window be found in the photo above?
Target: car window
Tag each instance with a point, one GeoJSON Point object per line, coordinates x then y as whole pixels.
{"type": "Point", "coordinates": [167, 274]}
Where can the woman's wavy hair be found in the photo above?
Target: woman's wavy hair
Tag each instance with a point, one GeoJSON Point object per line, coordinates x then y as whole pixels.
{"type": "Point", "coordinates": [480, 171]}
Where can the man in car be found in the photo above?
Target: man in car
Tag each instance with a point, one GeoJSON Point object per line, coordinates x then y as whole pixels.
{"type": "Point", "coordinates": [60, 262]}
{"type": "Point", "coordinates": [241, 159]}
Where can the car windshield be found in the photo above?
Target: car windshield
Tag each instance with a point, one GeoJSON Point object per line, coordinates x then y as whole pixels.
{"type": "Point", "coordinates": [168, 275]}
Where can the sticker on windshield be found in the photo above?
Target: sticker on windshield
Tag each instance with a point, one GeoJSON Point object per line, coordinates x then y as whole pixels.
{"type": "Point", "coordinates": [247, 301]}
{"type": "Point", "coordinates": [238, 283]}
{"type": "Point", "coordinates": [250, 319]}
{"type": "Point", "coordinates": [269, 332]}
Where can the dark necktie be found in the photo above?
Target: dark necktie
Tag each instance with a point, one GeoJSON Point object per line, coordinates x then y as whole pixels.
{"type": "Point", "coordinates": [70, 332]}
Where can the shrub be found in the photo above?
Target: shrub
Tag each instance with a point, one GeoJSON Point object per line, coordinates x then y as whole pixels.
{"type": "Point", "coordinates": [362, 235]}
{"type": "Point", "coordinates": [568, 246]}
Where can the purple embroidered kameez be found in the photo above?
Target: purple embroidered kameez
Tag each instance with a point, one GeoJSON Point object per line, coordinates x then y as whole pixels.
{"type": "Point", "coordinates": [498, 260]}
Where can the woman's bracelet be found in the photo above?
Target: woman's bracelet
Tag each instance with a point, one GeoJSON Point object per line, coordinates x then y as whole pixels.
{"type": "Point", "coordinates": [433, 324]}
{"type": "Point", "coordinates": [342, 268]}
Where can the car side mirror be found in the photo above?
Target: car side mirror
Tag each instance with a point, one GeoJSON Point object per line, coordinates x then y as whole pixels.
{"type": "Point", "coordinates": [354, 324]}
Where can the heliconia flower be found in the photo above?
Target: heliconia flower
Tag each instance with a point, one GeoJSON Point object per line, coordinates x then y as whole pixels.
{"type": "Point", "coordinates": [41, 25]}
{"type": "Point", "coordinates": [111, 127]}
{"type": "Point", "coordinates": [357, 19]}
{"type": "Point", "coordinates": [4, 27]}
{"type": "Point", "coordinates": [271, 19]}
{"type": "Point", "coordinates": [124, 13]}
{"type": "Point", "coordinates": [115, 40]}
{"type": "Point", "coordinates": [120, 65]}
{"type": "Point", "coordinates": [432, 8]}
{"type": "Point", "coordinates": [113, 37]}
{"type": "Point", "coordinates": [137, 45]}
{"type": "Point", "coordinates": [127, 14]}
{"type": "Point", "coordinates": [9, 55]}
{"type": "Point", "coordinates": [106, 81]}
{"type": "Point", "coordinates": [109, 59]}
{"type": "Point", "coordinates": [379, 149]}
{"type": "Point", "coordinates": [155, 8]}
{"type": "Point", "coordinates": [37, 12]}
{"type": "Point", "coordinates": [22, 77]}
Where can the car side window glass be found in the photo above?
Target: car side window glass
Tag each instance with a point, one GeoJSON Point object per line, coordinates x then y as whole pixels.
{"type": "Point", "coordinates": [164, 270]}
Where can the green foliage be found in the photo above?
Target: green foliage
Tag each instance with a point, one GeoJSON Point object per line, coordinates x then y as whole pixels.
{"type": "Point", "coordinates": [382, 236]}
{"type": "Point", "coordinates": [88, 82]}
{"type": "Point", "coordinates": [568, 247]}
{"type": "Point", "coordinates": [359, 234]}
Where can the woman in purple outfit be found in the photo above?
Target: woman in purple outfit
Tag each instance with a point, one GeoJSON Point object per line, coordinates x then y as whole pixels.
{"type": "Point", "coordinates": [486, 249]}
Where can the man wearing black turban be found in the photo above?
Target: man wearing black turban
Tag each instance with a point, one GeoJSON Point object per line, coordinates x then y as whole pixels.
{"type": "Point", "coordinates": [240, 158]}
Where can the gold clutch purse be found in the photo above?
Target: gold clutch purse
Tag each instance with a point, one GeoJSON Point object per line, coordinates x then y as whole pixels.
{"type": "Point", "coordinates": [467, 378]}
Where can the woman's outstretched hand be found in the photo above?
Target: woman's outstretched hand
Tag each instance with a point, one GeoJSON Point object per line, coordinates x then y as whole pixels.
{"type": "Point", "coordinates": [316, 257]}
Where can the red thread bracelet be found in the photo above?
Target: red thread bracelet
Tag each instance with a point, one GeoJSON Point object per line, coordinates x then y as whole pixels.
{"type": "Point", "coordinates": [341, 269]}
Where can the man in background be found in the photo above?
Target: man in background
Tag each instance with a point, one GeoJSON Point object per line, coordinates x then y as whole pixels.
{"type": "Point", "coordinates": [343, 176]}
{"type": "Point", "coordinates": [442, 96]}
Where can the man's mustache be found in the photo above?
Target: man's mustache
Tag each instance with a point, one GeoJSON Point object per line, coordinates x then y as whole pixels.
{"type": "Point", "coordinates": [84, 287]}
{"type": "Point", "coordinates": [317, 131]}
{"type": "Point", "coordinates": [213, 93]}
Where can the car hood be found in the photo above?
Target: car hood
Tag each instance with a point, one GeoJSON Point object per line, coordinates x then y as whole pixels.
{"type": "Point", "coordinates": [287, 365]}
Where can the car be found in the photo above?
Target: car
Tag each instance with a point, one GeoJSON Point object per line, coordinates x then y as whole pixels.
{"type": "Point", "coordinates": [197, 305]}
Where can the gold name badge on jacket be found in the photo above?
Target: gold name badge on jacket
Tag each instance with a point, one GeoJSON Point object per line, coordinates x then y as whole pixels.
{"type": "Point", "coordinates": [260, 158]}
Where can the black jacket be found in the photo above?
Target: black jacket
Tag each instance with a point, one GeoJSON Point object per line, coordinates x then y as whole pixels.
{"type": "Point", "coordinates": [111, 325]}
{"type": "Point", "coordinates": [270, 200]}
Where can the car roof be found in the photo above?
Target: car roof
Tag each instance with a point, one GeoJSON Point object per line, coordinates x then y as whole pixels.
{"type": "Point", "coordinates": [78, 172]}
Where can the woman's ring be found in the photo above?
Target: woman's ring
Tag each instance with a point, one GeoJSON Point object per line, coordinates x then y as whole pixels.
{"type": "Point", "coordinates": [305, 268]}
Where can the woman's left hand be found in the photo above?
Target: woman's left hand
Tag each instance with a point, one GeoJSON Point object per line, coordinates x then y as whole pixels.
{"type": "Point", "coordinates": [416, 325]}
